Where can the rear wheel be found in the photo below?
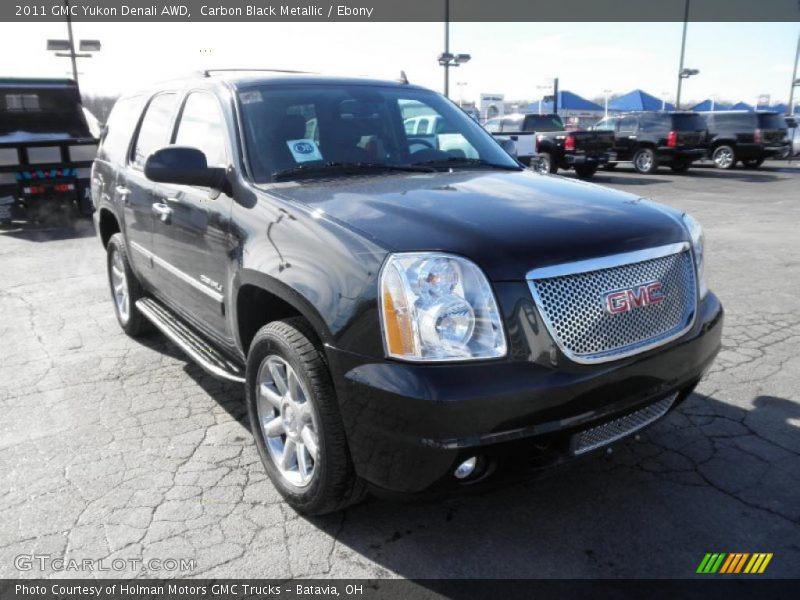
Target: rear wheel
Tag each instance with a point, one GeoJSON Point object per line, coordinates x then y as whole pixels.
{"type": "Point", "coordinates": [724, 157]}
{"type": "Point", "coordinates": [545, 163]}
{"type": "Point", "coordinates": [125, 288]}
{"type": "Point", "coordinates": [645, 160]}
{"type": "Point", "coordinates": [294, 416]}
{"type": "Point", "coordinates": [753, 164]}
{"type": "Point", "coordinates": [585, 171]}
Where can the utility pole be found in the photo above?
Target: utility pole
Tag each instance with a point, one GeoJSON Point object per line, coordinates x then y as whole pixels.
{"type": "Point", "coordinates": [72, 54]}
{"type": "Point", "coordinates": [795, 81]}
{"type": "Point", "coordinates": [447, 47]}
{"type": "Point", "coordinates": [555, 96]}
{"type": "Point", "coordinates": [683, 51]}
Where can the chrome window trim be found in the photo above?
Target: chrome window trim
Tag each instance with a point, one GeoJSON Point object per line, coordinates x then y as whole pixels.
{"type": "Point", "coordinates": [609, 262]}
{"type": "Point", "coordinates": [173, 270]}
{"type": "Point", "coordinates": [606, 262]}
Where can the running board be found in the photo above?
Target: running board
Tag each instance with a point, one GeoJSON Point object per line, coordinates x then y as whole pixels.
{"type": "Point", "coordinates": [200, 351]}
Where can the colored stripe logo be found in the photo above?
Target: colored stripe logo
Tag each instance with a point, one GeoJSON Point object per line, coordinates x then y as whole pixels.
{"type": "Point", "coordinates": [734, 563]}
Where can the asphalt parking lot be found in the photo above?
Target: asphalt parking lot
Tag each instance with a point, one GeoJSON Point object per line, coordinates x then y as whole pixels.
{"type": "Point", "coordinates": [115, 448]}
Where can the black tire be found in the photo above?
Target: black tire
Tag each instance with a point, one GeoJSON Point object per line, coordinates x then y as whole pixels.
{"type": "Point", "coordinates": [545, 163]}
{"type": "Point", "coordinates": [753, 164]}
{"type": "Point", "coordinates": [609, 166]}
{"type": "Point", "coordinates": [724, 157]}
{"type": "Point", "coordinates": [334, 484]}
{"type": "Point", "coordinates": [680, 166]}
{"type": "Point", "coordinates": [585, 171]}
{"type": "Point", "coordinates": [132, 323]}
{"type": "Point", "coordinates": [645, 160]}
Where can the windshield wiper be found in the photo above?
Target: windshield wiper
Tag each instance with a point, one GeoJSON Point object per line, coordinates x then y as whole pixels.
{"type": "Point", "coordinates": [348, 167]}
{"type": "Point", "coordinates": [455, 162]}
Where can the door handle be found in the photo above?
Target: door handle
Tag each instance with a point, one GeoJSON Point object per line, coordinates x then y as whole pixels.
{"type": "Point", "coordinates": [123, 192]}
{"type": "Point", "coordinates": [162, 210]}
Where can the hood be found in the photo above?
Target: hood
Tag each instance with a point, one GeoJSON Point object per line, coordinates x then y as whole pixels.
{"type": "Point", "coordinates": [506, 222]}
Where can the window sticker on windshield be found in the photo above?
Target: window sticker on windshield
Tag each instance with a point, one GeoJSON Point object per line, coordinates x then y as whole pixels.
{"type": "Point", "coordinates": [304, 150]}
{"type": "Point", "coordinates": [250, 97]}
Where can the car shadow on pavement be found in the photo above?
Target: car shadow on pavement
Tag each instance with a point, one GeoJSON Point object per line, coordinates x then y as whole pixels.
{"type": "Point", "coordinates": [709, 477]}
{"type": "Point", "coordinates": [606, 178]}
{"type": "Point", "coordinates": [33, 232]}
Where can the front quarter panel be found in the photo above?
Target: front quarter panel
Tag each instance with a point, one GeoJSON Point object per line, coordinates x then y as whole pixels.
{"type": "Point", "coordinates": [326, 271]}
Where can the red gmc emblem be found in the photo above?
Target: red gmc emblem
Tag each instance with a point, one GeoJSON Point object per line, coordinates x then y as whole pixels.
{"type": "Point", "coordinates": [625, 300]}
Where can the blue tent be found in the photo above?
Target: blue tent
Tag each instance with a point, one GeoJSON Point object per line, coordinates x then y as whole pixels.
{"type": "Point", "coordinates": [566, 101]}
{"type": "Point", "coordinates": [710, 105]}
{"type": "Point", "coordinates": [741, 106]}
{"type": "Point", "coordinates": [639, 100]}
{"type": "Point", "coordinates": [781, 108]}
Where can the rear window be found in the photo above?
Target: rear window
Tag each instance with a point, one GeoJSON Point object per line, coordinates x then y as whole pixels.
{"type": "Point", "coordinates": [688, 123]}
{"type": "Point", "coordinates": [735, 122]}
{"type": "Point", "coordinates": [543, 123]}
{"type": "Point", "coordinates": [772, 121]}
{"type": "Point", "coordinates": [42, 113]}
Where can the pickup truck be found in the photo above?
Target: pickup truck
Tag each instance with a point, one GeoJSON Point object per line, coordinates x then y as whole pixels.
{"type": "Point", "coordinates": [403, 319]}
{"type": "Point", "coordinates": [543, 143]}
{"type": "Point", "coordinates": [47, 145]}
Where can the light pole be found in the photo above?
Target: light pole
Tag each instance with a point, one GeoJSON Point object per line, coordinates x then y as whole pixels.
{"type": "Point", "coordinates": [683, 73]}
{"type": "Point", "coordinates": [66, 48]}
{"type": "Point", "coordinates": [446, 59]}
{"type": "Point", "coordinates": [664, 101]}
{"type": "Point", "coordinates": [795, 79]}
{"type": "Point", "coordinates": [606, 92]}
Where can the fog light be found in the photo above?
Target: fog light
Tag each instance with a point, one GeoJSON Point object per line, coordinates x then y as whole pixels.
{"type": "Point", "coordinates": [466, 468]}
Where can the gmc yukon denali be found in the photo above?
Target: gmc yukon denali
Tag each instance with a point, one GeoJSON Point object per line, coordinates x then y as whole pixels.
{"type": "Point", "coordinates": [404, 319]}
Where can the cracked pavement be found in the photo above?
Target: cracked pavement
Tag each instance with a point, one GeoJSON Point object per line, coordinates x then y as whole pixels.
{"type": "Point", "coordinates": [115, 448]}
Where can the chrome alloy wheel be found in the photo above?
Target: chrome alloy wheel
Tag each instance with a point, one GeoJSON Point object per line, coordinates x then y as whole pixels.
{"type": "Point", "coordinates": [288, 421]}
{"type": "Point", "coordinates": [644, 160]}
{"type": "Point", "coordinates": [542, 165]}
{"type": "Point", "coordinates": [723, 157]}
{"type": "Point", "coordinates": [119, 287]}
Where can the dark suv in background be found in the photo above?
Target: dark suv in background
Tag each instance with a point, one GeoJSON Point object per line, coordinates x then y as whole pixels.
{"type": "Point", "coordinates": [651, 139]}
{"type": "Point", "coordinates": [747, 136]}
{"type": "Point", "coordinates": [405, 313]}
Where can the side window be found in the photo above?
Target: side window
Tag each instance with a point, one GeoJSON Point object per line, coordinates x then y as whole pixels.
{"type": "Point", "coordinates": [155, 129]}
{"type": "Point", "coordinates": [201, 126]}
{"type": "Point", "coordinates": [119, 129]}
{"type": "Point", "coordinates": [627, 125]}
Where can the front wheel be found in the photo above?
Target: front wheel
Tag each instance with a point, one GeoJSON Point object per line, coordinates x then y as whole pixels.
{"type": "Point", "coordinates": [294, 416]}
{"type": "Point", "coordinates": [645, 161]}
{"type": "Point", "coordinates": [585, 171]}
{"type": "Point", "coordinates": [724, 157]}
{"type": "Point", "coordinates": [125, 288]}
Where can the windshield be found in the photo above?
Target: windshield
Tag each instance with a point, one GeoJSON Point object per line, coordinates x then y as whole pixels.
{"type": "Point", "coordinates": [303, 129]}
{"type": "Point", "coordinates": [42, 113]}
{"type": "Point", "coordinates": [543, 123]}
{"type": "Point", "coordinates": [771, 121]}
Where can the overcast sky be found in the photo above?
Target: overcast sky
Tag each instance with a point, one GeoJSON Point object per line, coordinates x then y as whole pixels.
{"type": "Point", "coordinates": [738, 61]}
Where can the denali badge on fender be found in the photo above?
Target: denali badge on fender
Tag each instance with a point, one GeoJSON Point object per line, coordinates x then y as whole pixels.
{"type": "Point", "coordinates": [625, 300]}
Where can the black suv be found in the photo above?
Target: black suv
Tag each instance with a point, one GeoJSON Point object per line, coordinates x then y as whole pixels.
{"type": "Point", "coordinates": [650, 139]}
{"type": "Point", "coordinates": [746, 136]}
{"type": "Point", "coordinates": [403, 317]}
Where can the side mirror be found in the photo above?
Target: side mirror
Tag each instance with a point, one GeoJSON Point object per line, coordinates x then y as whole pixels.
{"type": "Point", "coordinates": [184, 166]}
{"type": "Point", "coordinates": [509, 145]}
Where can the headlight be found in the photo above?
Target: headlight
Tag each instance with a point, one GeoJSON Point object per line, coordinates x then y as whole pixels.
{"type": "Point", "coordinates": [438, 307]}
{"type": "Point", "coordinates": [696, 236]}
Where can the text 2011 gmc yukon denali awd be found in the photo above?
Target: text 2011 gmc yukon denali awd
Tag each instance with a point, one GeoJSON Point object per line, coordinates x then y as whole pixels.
{"type": "Point", "coordinates": [404, 318]}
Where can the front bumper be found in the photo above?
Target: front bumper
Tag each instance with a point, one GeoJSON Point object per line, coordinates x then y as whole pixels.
{"type": "Point", "coordinates": [409, 426]}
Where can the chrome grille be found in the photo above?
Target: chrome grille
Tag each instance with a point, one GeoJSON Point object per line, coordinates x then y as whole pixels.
{"type": "Point", "coordinates": [572, 304]}
{"type": "Point", "coordinates": [607, 433]}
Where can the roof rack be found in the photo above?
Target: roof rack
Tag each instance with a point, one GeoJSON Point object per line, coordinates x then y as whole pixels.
{"type": "Point", "coordinates": [208, 72]}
